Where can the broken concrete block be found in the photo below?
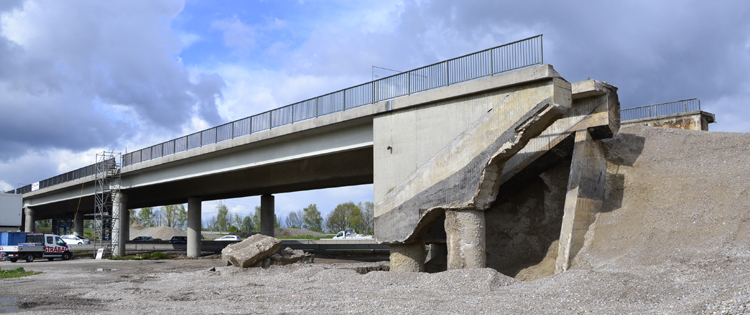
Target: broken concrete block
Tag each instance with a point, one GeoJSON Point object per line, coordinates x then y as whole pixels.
{"type": "Point", "coordinates": [250, 251]}
{"type": "Point", "coordinates": [289, 256]}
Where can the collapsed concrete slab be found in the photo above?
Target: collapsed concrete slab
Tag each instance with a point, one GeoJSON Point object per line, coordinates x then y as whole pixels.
{"type": "Point", "coordinates": [250, 251]}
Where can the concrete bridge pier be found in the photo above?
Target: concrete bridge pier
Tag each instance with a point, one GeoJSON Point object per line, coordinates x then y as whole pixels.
{"type": "Point", "coordinates": [407, 257]}
{"type": "Point", "coordinates": [465, 238]}
{"type": "Point", "coordinates": [267, 215]}
{"type": "Point", "coordinates": [29, 225]}
{"type": "Point", "coordinates": [194, 227]}
{"type": "Point", "coordinates": [121, 228]}
{"type": "Point", "coordinates": [78, 225]}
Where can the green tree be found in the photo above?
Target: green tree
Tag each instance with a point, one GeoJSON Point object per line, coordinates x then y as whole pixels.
{"type": "Point", "coordinates": [256, 219]}
{"type": "Point", "coordinates": [295, 219]}
{"type": "Point", "coordinates": [146, 217]}
{"type": "Point", "coordinates": [312, 218]}
{"type": "Point", "coordinates": [222, 217]}
{"type": "Point", "coordinates": [132, 214]}
{"type": "Point", "coordinates": [346, 216]}
{"type": "Point", "coordinates": [175, 216]}
{"type": "Point", "coordinates": [247, 224]}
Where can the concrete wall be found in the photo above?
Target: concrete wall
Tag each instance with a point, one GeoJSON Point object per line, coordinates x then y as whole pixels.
{"type": "Point", "coordinates": [441, 162]}
{"type": "Point", "coordinates": [697, 120]}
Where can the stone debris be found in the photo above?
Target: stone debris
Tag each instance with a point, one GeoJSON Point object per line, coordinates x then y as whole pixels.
{"type": "Point", "coordinates": [250, 251]}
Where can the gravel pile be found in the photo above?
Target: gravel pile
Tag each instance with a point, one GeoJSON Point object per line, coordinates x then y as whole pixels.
{"type": "Point", "coordinates": [161, 232]}
{"type": "Point", "coordinates": [673, 239]}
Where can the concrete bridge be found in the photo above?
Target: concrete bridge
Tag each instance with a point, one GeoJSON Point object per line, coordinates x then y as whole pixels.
{"type": "Point", "coordinates": [442, 157]}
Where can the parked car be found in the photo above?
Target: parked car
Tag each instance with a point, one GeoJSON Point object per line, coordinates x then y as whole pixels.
{"type": "Point", "coordinates": [178, 240]}
{"type": "Point", "coordinates": [229, 238]}
{"type": "Point", "coordinates": [143, 238]}
{"type": "Point", "coordinates": [74, 240]}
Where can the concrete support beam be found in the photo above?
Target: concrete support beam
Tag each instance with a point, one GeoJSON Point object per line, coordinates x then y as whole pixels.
{"type": "Point", "coordinates": [29, 223]}
{"type": "Point", "coordinates": [407, 257]}
{"type": "Point", "coordinates": [120, 227]}
{"type": "Point", "coordinates": [78, 225]}
{"type": "Point", "coordinates": [584, 198]}
{"type": "Point", "coordinates": [465, 231]}
{"type": "Point", "coordinates": [194, 227]}
{"type": "Point", "coordinates": [54, 225]}
{"type": "Point", "coordinates": [267, 215]}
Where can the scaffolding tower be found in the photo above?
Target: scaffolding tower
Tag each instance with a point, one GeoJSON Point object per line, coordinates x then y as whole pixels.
{"type": "Point", "coordinates": [107, 184]}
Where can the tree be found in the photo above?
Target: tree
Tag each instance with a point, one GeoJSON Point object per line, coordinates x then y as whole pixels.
{"type": "Point", "coordinates": [346, 216]}
{"type": "Point", "coordinates": [312, 218]}
{"type": "Point", "coordinates": [247, 224]}
{"type": "Point", "coordinates": [256, 219]}
{"type": "Point", "coordinates": [146, 217]}
{"type": "Point", "coordinates": [175, 216]}
{"type": "Point", "coordinates": [132, 214]}
{"type": "Point", "coordinates": [368, 217]}
{"type": "Point", "coordinates": [222, 217]}
{"type": "Point", "coordinates": [295, 219]}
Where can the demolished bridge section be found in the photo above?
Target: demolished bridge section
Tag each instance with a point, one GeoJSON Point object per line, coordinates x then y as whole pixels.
{"type": "Point", "coordinates": [437, 191]}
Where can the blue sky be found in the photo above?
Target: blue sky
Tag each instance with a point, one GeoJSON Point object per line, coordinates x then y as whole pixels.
{"type": "Point", "coordinates": [80, 77]}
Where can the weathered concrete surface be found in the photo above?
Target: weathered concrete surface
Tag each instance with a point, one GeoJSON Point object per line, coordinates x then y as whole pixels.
{"type": "Point", "coordinates": [120, 228]}
{"type": "Point", "coordinates": [288, 256]}
{"type": "Point", "coordinates": [194, 226]}
{"type": "Point", "coordinates": [250, 251]}
{"type": "Point", "coordinates": [696, 120]}
{"type": "Point", "coordinates": [29, 223]}
{"type": "Point", "coordinates": [523, 225]}
{"type": "Point", "coordinates": [407, 257]}
{"type": "Point", "coordinates": [585, 197]}
{"type": "Point", "coordinates": [465, 173]}
{"type": "Point", "coordinates": [466, 239]}
{"type": "Point", "coordinates": [267, 214]}
{"type": "Point", "coordinates": [596, 107]}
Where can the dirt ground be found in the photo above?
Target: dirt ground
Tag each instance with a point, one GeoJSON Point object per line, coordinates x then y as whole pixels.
{"type": "Point", "coordinates": [673, 238]}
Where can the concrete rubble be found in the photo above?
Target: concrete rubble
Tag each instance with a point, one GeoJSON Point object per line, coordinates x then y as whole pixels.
{"type": "Point", "coordinates": [262, 251]}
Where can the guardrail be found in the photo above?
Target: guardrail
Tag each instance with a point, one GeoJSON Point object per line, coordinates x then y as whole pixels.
{"type": "Point", "coordinates": [62, 178]}
{"type": "Point", "coordinates": [661, 109]}
{"type": "Point", "coordinates": [519, 54]}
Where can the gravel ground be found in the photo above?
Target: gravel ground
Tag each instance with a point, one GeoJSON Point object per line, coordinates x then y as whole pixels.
{"type": "Point", "coordinates": [672, 239]}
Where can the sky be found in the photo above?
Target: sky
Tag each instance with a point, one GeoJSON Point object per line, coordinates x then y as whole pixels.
{"type": "Point", "coordinates": [81, 77]}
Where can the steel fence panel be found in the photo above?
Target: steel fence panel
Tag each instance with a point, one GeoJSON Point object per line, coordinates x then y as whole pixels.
{"type": "Point", "coordinates": [241, 127]}
{"type": "Point", "coordinates": [145, 154]}
{"type": "Point", "coordinates": [260, 122]}
{"type": "Point", "coordinates": [330, 103]}
{"type": "Point", "coordinates": [156, 151]}
{"type": "Point", "coordinates": [194, 141]}
{"type": "Point", "coordinates": [281, 116]}
{"type": "Point", "coordinates": [208, 136]}
{"type": "Point", "coordinates": [359, 95]}
{"type": "Point", "coordinates": [169, 147]}
{"type": "Point", "coordinates": [304, 110]}
{"type": "Point", "coordinates": [224, 132]}
{"type": "Point", "coordinates": [181, 144]}
{"type": "Point", "coordinates": [661, 109]}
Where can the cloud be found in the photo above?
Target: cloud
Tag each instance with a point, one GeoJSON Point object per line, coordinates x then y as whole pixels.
{"type": "Point", "coordinates": [91, 74]}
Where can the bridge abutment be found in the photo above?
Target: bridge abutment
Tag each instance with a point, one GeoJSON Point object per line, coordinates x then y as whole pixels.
{"type": "Point", "coordinates": [121, 229]}
{"type": "Point", "coordinates": [194, 227]}
{"type": "Point", "coordinates": [267, 215]}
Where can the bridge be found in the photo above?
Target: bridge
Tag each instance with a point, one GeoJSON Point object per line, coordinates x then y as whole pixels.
{"type": "Point", "coordinates": [440, 143]}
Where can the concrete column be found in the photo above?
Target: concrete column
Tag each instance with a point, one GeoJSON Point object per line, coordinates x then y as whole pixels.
{"type": "Point", "coordinates": [407, 257]}
{"type": "Point", "coordinates": [119, 227]}
{"type": "Point", "coordinates": [585, 197]}
{"type": "Point", "coordinates": [194, 227]}
{"type": "Point", "coordinates": [267, 215]}
{"type": "Point", "coordinates": [78, 225]}
{"type": "Point", "coordinates": [29, 223]}
{"type": "Point", "coordinates": [53, 227]}
{"type": "Point", "coordinates": [465, 232]}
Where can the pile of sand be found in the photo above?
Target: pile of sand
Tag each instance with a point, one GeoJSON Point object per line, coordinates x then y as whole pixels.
{"type": "Point", "coordinates": [673, 196]}
{"type": "Point", "coordinates": [161, 232]}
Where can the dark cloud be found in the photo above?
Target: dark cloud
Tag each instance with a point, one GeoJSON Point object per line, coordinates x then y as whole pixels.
{"type": "Point", "coordinates": [95, 74]}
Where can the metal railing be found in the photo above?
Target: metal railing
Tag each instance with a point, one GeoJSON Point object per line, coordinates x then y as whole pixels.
{"type": "Point", "coordinates": [662, 109]}
{"type": "Point", "coordinates": [519, 54]}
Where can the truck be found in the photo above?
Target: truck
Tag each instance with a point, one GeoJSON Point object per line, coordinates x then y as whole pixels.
{"type": "Point", "coordinates": [29, 246]}
{"type": "Point", "coordinates": [349, 234]}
